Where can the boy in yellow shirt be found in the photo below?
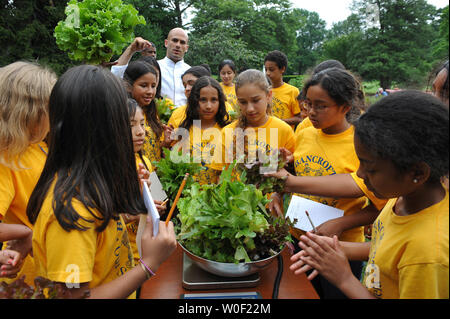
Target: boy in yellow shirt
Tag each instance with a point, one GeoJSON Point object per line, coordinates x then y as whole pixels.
{"type": "Point", "coordinates": [284, 95]}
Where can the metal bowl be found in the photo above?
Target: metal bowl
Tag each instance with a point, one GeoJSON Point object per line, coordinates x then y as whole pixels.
{"type": "Point", "coordinates": [229, 269]}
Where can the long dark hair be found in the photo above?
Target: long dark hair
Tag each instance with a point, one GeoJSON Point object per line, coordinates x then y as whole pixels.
{"type": "Point", "coordinates": [198, 71]}
{"type": "Point", "coordinates": [133, 106]}
{"type": "Point", "coordinates": [154, 63]}
{"type": "Point", "coordinates": [342, 87]}
{"type": "Point", "coordinates": [90, 151]}
{"type": "Point", "coordinates": [134, 71]}
{"type": "Point", "coordinates": [192, 113]}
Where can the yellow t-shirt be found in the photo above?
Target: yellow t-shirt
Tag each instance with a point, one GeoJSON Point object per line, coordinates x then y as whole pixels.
{"type": "Point", "coordinates": [16, 187]}
{"type": "Point", "coordinates": [203, 144]}
{"type": "Point", "coordinates": [319, 154]}
{"type": "Point", "coordinates": [80, 256]}
{"type": "Point", "coordinates": [409, 254]}
{"type": "Point", "coordinates": [230, 94]}
{"type": "Point", "coordinates": [302, 125]}
{"type": "Point", "coordinates": [271, 136]}
{"type": "Point", "coordinates": [132, 227]}
{"type": "Point", "coordinates": [178, 116]}
{"type": "Point", "coordinates": [377, 202]}
{"type": "Point", "coordinates": [153, 145]}
{"type": "Point", "coordinates": [284, 101]}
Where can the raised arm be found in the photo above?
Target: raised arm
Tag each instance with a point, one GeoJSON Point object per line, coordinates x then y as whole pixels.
{"type": "Point", "coordinates": [137, 45]}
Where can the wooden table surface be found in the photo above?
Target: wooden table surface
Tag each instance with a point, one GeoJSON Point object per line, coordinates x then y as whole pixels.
{"type": "Point", "coordinates": [167, 284]}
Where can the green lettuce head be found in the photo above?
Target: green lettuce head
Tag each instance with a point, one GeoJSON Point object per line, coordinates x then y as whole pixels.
{"type": "Point", "coordinates": [95, 30]}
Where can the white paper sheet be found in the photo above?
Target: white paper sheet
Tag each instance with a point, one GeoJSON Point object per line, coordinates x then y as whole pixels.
{"type": "Point", "coordinates": [319, 213]}
{"type": "Point", "coordinates": [156, 188]}
{"type": "Point", "coordinates": [152, 211]}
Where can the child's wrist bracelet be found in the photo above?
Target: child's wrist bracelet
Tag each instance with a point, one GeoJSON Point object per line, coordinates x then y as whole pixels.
{"type": "Point", "coordinates": [147, 269]}
{"type": "Point", "coordinates": [147, 274]}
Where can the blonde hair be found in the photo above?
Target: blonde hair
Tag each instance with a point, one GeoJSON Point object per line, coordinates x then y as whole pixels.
{"type": "Point", "coordinates": [257, 78]}
{"type": "Point", "coordinates": [25, 89]}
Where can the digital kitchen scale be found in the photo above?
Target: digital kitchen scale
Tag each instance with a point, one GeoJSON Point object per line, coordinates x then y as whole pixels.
{"type": "Point", "coordinates": [195, 278]}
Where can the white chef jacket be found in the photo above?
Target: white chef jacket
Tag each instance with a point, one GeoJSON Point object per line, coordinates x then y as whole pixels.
{"type": "Point", "coordinates": [171, 83]}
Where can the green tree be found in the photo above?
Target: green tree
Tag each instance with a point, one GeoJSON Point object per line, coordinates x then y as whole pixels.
{"type": "Point", "coordinates": [261, 26]}
{"type": "Point", "coordinates": [222, 43]}
{"type": "Point", "coordinates": [310, 35]}
{"type": "Point", "coordinates": [390, 43]}
{"type": "Point", "coordinates": [26, 32]}
{"type": "Point", "coordinates": [440, 45]}
{"type": "Point", "coordinates": [161, 17]}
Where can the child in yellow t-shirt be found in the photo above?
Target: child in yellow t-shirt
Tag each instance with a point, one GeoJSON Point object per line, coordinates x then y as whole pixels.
{"type": "Point", "coordinates": [409, 253]}
{"type": "Point", "coordinates": [227, 73]}
{"type": "Point", "coordinates": [328, 149]}
{"type": "Point", "coordinates": [24, 92]}
{"type": "Point", "coordinates": [200, 131]}
{"type": "Point", "coordinates": [137, 120]}
{"type": "Point", "coordinates": [284, 95]}
{"type": "Point", "coordinates": [256, 134]}
{"type": "Point", "coordinates": [84, 188]}
{"type": "Point", "coordinates": [141, 80]}
{"type": "Point", "coordinates": [189, 78]}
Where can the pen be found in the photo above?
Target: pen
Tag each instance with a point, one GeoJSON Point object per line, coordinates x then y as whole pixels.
{"type": "Point", "coordinates": [165, 202]}
{"type": "Point", "coordinates": [307, 215]}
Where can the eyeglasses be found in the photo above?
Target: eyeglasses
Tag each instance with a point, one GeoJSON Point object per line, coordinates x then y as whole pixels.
{"type": "Point", "coordinates": [317, 108]}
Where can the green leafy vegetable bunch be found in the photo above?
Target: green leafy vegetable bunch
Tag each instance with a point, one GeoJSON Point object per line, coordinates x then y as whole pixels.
{"type": "Point", "coordinates": [254, 173]}
{"type": "Point", "coordinates": [171, 172]}
{"type": "Point", "coordinates": [44, 289]}
{"type": "Point", "coordinates": [228, 222]}
{"type": "Point", "coordinates": [95, 30]}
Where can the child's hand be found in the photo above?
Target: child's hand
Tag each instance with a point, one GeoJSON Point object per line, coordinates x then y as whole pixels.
{"type": "Point", "coordinates": [144, 174]}
{"type": "Point", "coordinates": [23, 246]}
{"type": "Point", "coordinates": [282, 173]}
{"type": "Point", "coordinates": [276, 204]}
{"type": "Point", "coordinates": [160, 207]}
{"type": "Point", "coordinates": [155, 250]}
{"type": "Point", "coordinates": [168, 135]}
{"type": "Point", "coordinates": [325, 255]}
{"type": "Point", "coordinates": [330, 228]}
{"type": "Point", "coordinates": [287, 155]}
{"type": "Point", "coordinates": [10, 263]}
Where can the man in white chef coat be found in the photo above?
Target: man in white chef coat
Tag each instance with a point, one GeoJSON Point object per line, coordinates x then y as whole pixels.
{"type": "Point", "coordinates": [173, 66]}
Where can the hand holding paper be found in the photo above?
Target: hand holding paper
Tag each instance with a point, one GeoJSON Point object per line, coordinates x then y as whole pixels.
{"type": "Point", "coordinates": [151, 208]}
{"type": "Point", "coordinates": [319, 213]}
{"type": "Point", "coordinates": [152, 212]}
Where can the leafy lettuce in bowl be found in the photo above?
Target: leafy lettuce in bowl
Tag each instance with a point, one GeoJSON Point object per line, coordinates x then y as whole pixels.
{"type": "Point", "coordinates": [228, 222]}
